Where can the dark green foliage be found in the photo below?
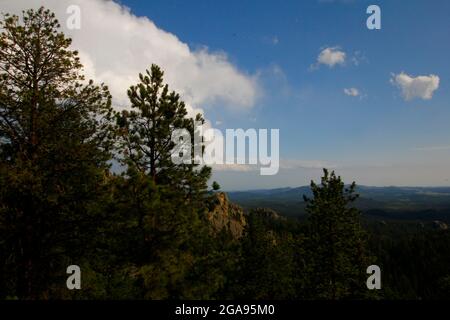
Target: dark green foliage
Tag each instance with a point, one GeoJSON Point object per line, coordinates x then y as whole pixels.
{"type": "Point", "coordinates": [54, 144]}
{"type": "Point", "coordinates": [267, 262]}
{"type": "Point", "coordinates": [415, 263]}
{"type": "Point", "coordinates": [174, 232]}
{"type": "Point", "coordinates": [146, 133]}
{"type": "Point", "coordinates": [336, 241]}
{"type": "Point", "coordinates": [216, 186]}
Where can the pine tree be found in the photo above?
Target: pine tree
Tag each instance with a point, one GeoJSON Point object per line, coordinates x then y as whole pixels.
{"type": "Point", "coordinates": [176, 238]}
{"type": "Point", "coordinates": [54, 145]}
{"type": "Point", "coordinates": [216, 186]}
{"type": "Point", "coordinates": [146, 131]}
{"type": "Point", "coordinates": [337, 243]}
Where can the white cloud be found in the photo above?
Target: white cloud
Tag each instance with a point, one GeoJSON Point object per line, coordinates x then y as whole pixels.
{"type": "Point", "coordinates": [416, 87]}
{"type": "Point", "coordinates": [116, 45]}
{"type": "Point", "coordinates": [331, 56]}
{"type": "Point", "coordinates": [353, 92]}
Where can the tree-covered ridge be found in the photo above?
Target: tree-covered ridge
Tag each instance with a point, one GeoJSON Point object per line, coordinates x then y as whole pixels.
{"type": "Point", "coordinates": [156, 231]}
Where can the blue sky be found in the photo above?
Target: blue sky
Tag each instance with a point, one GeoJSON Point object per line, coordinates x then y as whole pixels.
{"type": "Point", "coordinates": [317, 120]}
{"type": "Point", "coordinates": [254, 64]}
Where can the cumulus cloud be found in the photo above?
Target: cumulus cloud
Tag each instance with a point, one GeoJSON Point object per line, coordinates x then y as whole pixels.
{"type": "Point", "coordinates": [416, 87]}
{"type": "Point", "coordinates": [116, 45]}
{"type": "Point", "coordinates": [330, 57]}
{"type": "Point", "coordinates": [353, 92]}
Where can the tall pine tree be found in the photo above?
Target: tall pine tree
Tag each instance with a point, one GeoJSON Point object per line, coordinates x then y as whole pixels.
{"type": "Point", "coordinates": [337, 242]}
{"type": "Point", "coordinates": [175, 234]}
{"type": "Point", "coordinates": [54, 146]}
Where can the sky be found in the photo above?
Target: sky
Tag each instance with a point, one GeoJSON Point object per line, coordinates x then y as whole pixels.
{"type": "Point", "coordinates": [374, 105]}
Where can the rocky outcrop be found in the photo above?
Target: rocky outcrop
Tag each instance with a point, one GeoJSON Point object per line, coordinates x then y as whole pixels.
{"type": "Point", "coordinates": [224, 214]}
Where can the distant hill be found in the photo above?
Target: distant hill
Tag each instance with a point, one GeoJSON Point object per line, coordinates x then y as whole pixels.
{"type": "Point", "coordinates": [399, 203]}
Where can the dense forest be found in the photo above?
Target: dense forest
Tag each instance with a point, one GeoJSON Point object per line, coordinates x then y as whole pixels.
{"type": "Point", "coordinates": [146, 232]}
